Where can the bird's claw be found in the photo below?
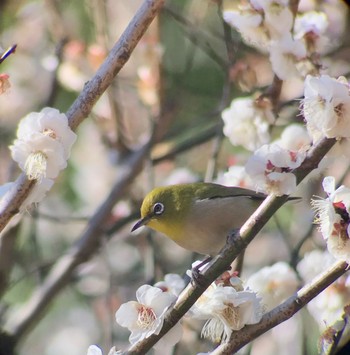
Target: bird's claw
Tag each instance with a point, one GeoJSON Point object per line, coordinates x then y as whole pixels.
{"type": "Point", "coordinates": [197, 277]}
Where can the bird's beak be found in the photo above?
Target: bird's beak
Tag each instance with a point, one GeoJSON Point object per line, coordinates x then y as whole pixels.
{"type": "Point", "coordinates": [140, 223]}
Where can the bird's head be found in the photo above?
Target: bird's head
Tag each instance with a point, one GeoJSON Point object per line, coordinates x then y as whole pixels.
{"type": "Point", "coordinates": [164, 210]}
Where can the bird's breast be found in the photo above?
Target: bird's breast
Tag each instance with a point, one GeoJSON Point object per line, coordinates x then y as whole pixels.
{"type": "Point", "coordinates": [206, 229]}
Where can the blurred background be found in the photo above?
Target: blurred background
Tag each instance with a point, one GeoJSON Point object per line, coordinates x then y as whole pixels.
{"type": "Point", "coordinates": [183, 73]}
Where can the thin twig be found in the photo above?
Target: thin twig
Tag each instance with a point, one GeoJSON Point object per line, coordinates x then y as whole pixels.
{"type": "Point", "coordinates": [99, 13]}
{"type": "Point", "coordinates": [193, 32]}
{"type": "Point", "coordinates": [181, 145]}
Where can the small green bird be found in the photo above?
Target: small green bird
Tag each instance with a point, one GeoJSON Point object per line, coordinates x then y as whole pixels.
{"type": "Point", "coordinates": [198, 216]}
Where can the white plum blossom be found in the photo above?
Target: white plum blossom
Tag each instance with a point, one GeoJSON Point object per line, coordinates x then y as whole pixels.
{"type": "Point", "coordinates": [270, 167]}
{"type": "Point", "coordinates": [43, 144]}
{"type": "Point", "coordinates": [285, 54]}
{"type": "Point", "coordinates": [313, 263]}
{"type": "Point", "coordinates": [247, 121]}
{"type": "Point", "coordinates": [225, 310]}
{"type": "Point", "coordinates": [332, 214]}
{"type": "Point", "coordinates": [236, 176]}
{"type": "Point", "coordinates": [39, 157]}
{"type": "Point", "coordinates": [49, 122]}
{"type": "Point", "coordinates": [172, 283]}
{"type": "Point", "coordinates": [260, 21]}
{"type": "Point", "coordinates": [146, 316]}
{"type": "Point", "coordinates": [279, 23]}
{"type": "Point", "coordinates": [249, 22]}
{"type": "Point", "coordinates": [274, 284]}
{"type": "Point", "coordinates": [295, 137]}
{"type": "Point", "coordinates": [311, 27]}
{"type": "Point", "coordinates": [314, 22]}
{"type": "Point", "coordinates": [278, 18]}
{"type": "Point", "coordinates": [326, 107]}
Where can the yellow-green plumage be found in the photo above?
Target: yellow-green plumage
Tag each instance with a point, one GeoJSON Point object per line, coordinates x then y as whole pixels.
{"type": "Point", "coordinates": [198, 216]}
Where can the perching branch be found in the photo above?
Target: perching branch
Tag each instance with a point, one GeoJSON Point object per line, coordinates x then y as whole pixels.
{"type": "Point", "coordinates": [229, 253]}
{"type": "Point", "coordinates": [114, 62]}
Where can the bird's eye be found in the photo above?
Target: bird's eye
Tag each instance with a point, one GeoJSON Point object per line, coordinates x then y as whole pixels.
{"type": "Point", "coordinates": [158, 208]}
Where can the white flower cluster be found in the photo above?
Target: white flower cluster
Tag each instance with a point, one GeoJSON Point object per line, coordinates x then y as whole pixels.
{"type": "Point", "coordinates": [247, 122]}
{"type": "Point", "coordinates": [332, 214]}
{"type": "Point", "coordinates": [224, 307]}
{"type": "Point", "coordinates": [274, 284]}
{"type": "Point", "coordinates": [43, 144]}
{"type": "Point", "coordinates": [146, 316]}
{"type": "Point", "coordinates": [268, 24]}
{"type": "Point", "coordinates": [227, 305]}
{"type": "Point", "coordinates": [326, 107]}
{"type": "Point", "coordinates": [270, 167]}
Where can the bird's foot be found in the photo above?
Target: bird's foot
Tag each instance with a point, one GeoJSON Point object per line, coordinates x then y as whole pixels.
{"type": "Point", "coordinates": [197, 277]}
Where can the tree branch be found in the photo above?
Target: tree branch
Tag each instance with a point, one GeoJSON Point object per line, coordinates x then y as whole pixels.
{"type": "Point", "coordinates": [93, 89]}
{"type": "Point", "coordinates": [284, 311]}
{"type": "Point", "coordinates": [62, 272]}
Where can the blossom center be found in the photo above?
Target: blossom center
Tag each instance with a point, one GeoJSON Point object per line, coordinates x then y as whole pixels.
{"type": "Point", "coordinates": [146, 317]}
{"type": "Point", "coordinates": [339, 110]}
{"type": "Point", "coordinates": [271, 168]}
{"type": "Point", "coordinates": [230, 315]}
{"type": "Point", "coordinates": [50, 133]}
{"type": "Point", "coordinates": [340, 209]}
{"type": "Point", "coordinates": [340, 229]}
{"type": "Point", "coordinates": [35, 165]}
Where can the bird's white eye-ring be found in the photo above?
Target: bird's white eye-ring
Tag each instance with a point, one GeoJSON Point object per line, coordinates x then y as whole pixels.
{"type": "Point", "coordinates": [158, 208]}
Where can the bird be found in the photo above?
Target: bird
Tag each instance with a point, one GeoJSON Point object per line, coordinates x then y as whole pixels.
{"type": "Point", "coordinates": [198, 216]}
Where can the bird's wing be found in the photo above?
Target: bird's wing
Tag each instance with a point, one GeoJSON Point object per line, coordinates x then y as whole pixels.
{"type": "Point", "coordinates": [213, 191]}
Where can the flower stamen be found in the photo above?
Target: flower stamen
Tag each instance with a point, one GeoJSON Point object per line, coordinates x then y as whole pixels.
{"type": "Point", "coordinates": [50, 133]}
{"type": "Point", "coordinates": [146, 317]}
{"type": "Point", "coordinates": [35, 166]}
